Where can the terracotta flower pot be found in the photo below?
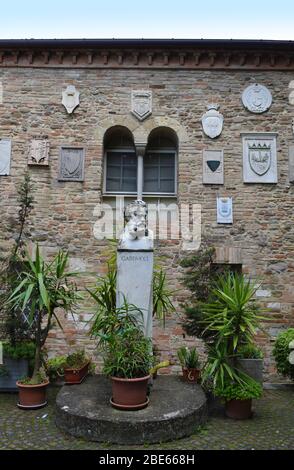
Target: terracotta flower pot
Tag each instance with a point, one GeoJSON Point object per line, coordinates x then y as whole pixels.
{"type": "Point", "coordinates": [191, 375]}
{"type": "Point", "coordinates": [76, 376]}
{"type": "Point", "coordinates": [129, 394]}
{"type": "Point", "coordinates": [32, 396]}
{"type": "Point", "coordinates": [239, 409]}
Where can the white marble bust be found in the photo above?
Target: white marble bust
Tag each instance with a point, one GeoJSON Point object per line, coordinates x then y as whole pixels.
{"type": "Point", "coordinates": [136, 235]}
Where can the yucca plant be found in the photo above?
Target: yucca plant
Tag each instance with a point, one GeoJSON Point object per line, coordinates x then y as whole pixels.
{"type": "Point", "coordinates": [232, 316]}
{"type": "Point", "coordinates": [43, 287]}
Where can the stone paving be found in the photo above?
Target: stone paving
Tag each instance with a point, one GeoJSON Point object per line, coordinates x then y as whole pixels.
{"type": "Point", "coordinates": [271, 428]}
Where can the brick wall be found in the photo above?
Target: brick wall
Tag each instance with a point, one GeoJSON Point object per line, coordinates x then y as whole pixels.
{"type": "Point", "coordinates": [63, 216]}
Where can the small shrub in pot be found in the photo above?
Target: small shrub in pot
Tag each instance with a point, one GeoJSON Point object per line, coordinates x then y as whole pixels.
{"type": "Point", "coordinates": [189, 361]}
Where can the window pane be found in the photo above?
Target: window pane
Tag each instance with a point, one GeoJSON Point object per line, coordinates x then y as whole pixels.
{"type": "Point", "coordinates": [159, 173]}
{"type": "Point", "coordinates": [121, 172]}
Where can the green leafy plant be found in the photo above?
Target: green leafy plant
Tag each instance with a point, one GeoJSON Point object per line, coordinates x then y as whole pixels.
{"type": "Point", "coordinates": [188, 358]}
{"type": "Point", "coordinates": [236, 391]}
{"type": "Point", "coordinates": [43, 287]}
{"type": "Point", "coordinates": [104, 295]}
{"type": "Point", "coordinates": [127, 352]}
{"type": "Point", "coordinates": [232, 315]}
{"type": "Point", "coordinates": [14, 327]}
{"type": "Point", "coordinates": [39, 378]}
{"type": "Point", "coordinates": [249, 351]}
{"type": "Point", "coordinates": [55, 367]}
{"type": "Point", "coordinates": [162, 304]}
{"type": "Point", "coordinates": [21, 350]}
{"type": "Point", "coordinates": [281, 353]}
{"type": "Point", "coordinates": [76, 360]}
{"type": "Point", "coordinates": [232, 318]}
{"type": "Point", "coordinates": [200, 276]}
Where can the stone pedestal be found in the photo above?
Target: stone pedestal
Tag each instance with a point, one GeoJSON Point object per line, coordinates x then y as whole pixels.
{"type": "Point", "coordinates": [134, 282]}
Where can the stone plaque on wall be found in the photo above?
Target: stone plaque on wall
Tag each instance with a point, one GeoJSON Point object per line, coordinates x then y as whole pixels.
{"type": "Point", "coordinates": [71, 164]}
{"type": "Point", "coordinates": [213, 167]}
{"type": "Point", "coordinates": [5, 156]}
{"type": "Point", "coordinates": [141, 105]}
{"type": "Point", "coordinates": [260, 158]}
{"type": "Point", "coordinates": [257, 98]}
{"type": "Point", "coordinates": [224, 210]}
{"type": "Point", "coordinates": [291, 163]}
{"type": "Point", "coordinates": [38, 153]}
{"type": "Point", "coordinates": [212, 121]}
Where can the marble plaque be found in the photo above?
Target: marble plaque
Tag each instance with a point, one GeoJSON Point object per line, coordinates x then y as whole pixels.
{"type": "Point", "coordinates": [257, 98]}
{"type": "Point", "coordinates": [5, 156]}
{"type": "Point", "coordinates": [260, 158]}
{"type": "Point", "coordinates": [38, 153]}
{"type": "Point", "coordinates": [213, 167]}
{"type": "Point", "coordinates": [291, 163]}
{"type": "Point", "coordinates": [224, 210]}
{"type": "Point", "coordinates": [71, 164]}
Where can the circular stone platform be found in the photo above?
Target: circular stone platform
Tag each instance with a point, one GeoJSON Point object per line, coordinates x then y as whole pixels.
{"type": "Point", "coordinates": [175, 410]}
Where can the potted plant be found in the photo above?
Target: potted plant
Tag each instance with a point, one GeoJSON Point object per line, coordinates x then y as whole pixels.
{"type": "Point", "coordinates": [16, 361]}
{"type": "Point", "coordinates": [189, 361]}
{"type": "Point", "coordinates": [76, 367]}
{"type": "Point", "coordinates": [250, 361]}
{"type": "Point", "coordinates": [230, 319]}
{"type": "Point", "coordinates": [43, 287]}
{"type": "Point", "coordinates": [127, 355]}
{"type": "Point", "coordinates": [281, 352]}
{"type": "Point", "coordinates": [238, 397]}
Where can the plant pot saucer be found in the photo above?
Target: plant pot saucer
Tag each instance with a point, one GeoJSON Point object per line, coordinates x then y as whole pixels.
{"type": "Point", "coordinates": [129, 407]}
{"type": "Point", "coordinates": [31, 407]}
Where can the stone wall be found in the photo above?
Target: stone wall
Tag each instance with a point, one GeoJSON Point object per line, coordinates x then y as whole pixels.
{"type": "Point", "coordinates": [64, 215]}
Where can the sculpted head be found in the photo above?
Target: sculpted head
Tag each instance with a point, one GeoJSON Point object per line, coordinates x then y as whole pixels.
{"type": "Point", "coordinates": [136, 219]}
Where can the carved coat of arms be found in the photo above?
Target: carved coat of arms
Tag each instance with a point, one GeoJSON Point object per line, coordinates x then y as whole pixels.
{"type": "Point", "coordinates": [70, 98]}
{"type": "Point", "coordinates": [260, 158]}
{"type": "Point", "coordinates": [38, 153]}
{"type": "Point", "coordinates": [141, 105]}
{"type": "Point", "coordinates": [257, 98]}
{"type": "Point", "coordinates": [212, 122]}
{"type": "Point", "coordinates": [71, 164]}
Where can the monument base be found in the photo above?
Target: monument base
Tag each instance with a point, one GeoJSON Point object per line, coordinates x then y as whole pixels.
{"type": "Point", "coordinates": [175, 410]}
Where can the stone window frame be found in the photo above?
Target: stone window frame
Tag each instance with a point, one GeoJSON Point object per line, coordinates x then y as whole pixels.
{"type": "Point", "coordinates": [133, 193]}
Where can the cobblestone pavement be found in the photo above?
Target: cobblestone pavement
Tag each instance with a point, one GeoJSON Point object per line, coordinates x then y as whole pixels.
{"type": "Point", "coordinates": [271, 428]}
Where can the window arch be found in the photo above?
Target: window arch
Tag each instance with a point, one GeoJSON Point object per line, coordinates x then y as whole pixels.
{"type": "Point", "coordinates": [160, 162]}
{"type": "Point", "coordinates": [120, 172]}
{"type": "Point", "coordinates": [156, 173]}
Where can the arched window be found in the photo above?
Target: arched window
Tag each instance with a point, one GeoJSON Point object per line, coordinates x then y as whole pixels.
{"type": "Point", "coordinates": [120, 175]}
{"type": "Point", "coordinates": [160, 162]}
{"type": "Point", "coordinates": [156, 174]}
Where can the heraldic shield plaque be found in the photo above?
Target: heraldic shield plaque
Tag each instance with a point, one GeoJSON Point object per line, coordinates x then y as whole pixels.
{"type": "Point", "coordinates": [212, 121]}
{"type": "Point", "coordinates": [259, 158]}
{"type": "Point", "coordinates": [71, 164]}
{"type": "Point", "coordinates": [141, 106]}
